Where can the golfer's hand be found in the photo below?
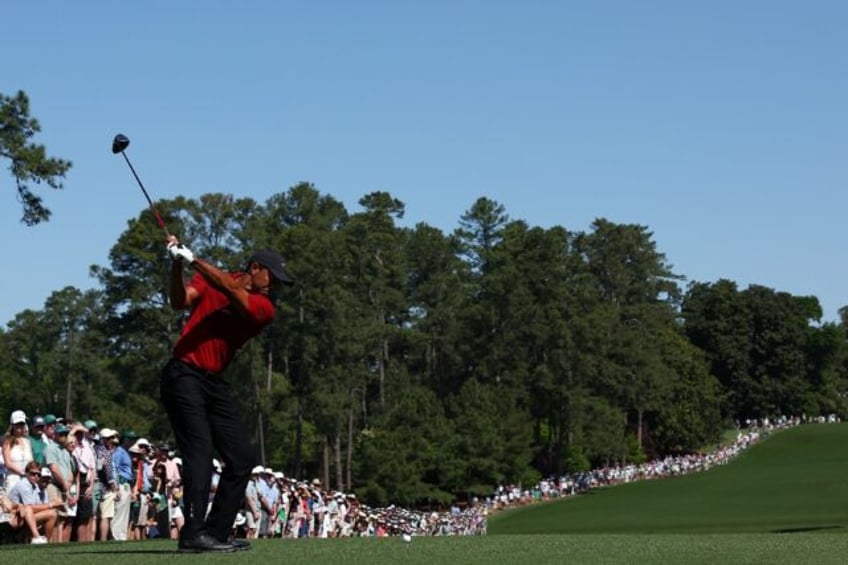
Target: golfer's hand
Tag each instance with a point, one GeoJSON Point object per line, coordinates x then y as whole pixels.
{"type": "Point", "coordinates": [180, 252]}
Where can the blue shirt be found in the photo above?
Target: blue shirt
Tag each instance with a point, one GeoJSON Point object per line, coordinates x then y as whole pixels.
{"type": "Point", "coordinates": [24, 492]}
{"type": "Point", "coordinates": [122, 464]}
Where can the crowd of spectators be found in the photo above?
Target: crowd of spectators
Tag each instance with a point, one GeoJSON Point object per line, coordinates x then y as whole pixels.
{"type": "Point", "coordinates": [570, 484]}
{"type": "Point", "coordinates": [75, 481]}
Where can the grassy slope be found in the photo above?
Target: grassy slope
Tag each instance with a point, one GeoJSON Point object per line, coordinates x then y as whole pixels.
{"type": "Point", "coordinates": [795, 481]}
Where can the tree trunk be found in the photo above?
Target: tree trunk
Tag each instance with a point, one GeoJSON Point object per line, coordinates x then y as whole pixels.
{"type": "Point", "coordinates": [382, 365]}
{"type": "Point", "coordinates": [298, 442]}
{"type": "Point", "coordinates": [260, 426]}
{"type": "Point", "coordinates": [69, 413]}
{"type": "Point", "coordinates": [639, 429]}
{"type": "Point", "coordinates": [348, 486]}
{"type": "Point", "coordinates": [325, 480]}
{"type": "Point", "coordinates": [337, 449]}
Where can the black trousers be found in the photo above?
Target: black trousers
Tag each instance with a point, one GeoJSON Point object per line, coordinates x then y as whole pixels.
{"type": "Point", "coordinates": [205, 419]}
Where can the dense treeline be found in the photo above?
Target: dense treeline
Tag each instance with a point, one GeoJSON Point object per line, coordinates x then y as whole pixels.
{"type": "Point", "coordinates": [414, 366]}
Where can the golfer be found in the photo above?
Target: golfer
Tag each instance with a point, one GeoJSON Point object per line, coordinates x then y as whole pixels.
{"type": "Point", "coordinates": [227, 309]}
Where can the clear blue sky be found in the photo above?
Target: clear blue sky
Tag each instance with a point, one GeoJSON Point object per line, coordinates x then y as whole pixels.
{"type": "Point", "coordinates": [720, 125]}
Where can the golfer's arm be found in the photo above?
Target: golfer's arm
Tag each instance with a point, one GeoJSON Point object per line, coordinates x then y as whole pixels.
{"type": "Point", "coordinates": [177, 292]}
{"type": "Point", "coordinates": [222, 281]}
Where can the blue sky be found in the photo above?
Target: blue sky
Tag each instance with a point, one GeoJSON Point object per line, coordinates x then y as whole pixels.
{"type": "Point", "coordinates": [719, 125]}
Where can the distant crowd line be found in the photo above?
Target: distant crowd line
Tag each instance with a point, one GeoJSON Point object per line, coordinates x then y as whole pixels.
{"type": "Point", "coordinates": [74, 481]}
{"type": "Point", "coordinates": [570, 484]}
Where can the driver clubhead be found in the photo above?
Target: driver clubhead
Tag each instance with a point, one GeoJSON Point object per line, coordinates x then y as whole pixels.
{"type": "Point", "coordinates": [120, 143]}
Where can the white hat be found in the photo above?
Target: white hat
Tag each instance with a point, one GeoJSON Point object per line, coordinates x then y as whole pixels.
{"type": "Point", "coordinates": [107, 433]}
{"type": "Point", "coordinates": [259, 469]}
{"type": "Point", "coordinates": [141, 442]}
{"type": "Point", "coordinates": [268, 470]}
{"type": "Point", "coordinates": [279, 475]}
{"type": "Point", "coordinates": [45, 472]}
{"type": "Point", "coordinates": [18, 417]}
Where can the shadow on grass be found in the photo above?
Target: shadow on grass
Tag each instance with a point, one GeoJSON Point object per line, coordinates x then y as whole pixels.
{"type": "Point", "coordinates": [127, 551]}
{"type": "Point", "coordinates": [114, 550]}
{"type": "Point", "coordinates": [808, 529]}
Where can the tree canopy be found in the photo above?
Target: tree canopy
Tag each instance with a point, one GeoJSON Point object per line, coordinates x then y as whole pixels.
{"type": "Point", "coordinates": [28, 161]}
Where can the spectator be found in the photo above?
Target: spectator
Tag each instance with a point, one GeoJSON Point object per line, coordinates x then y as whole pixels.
{"type": "Point", "coordinates": [141, 489]}
{"type": "Point", "coordinates": [30, 506]}
{"type": "Point", "coordinates": [122, 465]}
{"type": "Point", "coordinates": [173, 491]}
{"type": "Point", "coordinates": [107, 481]}
{"type": "Point", "coordinates": [92, 440]}
{"type": "Point", "coordinates": [163, 455]}
{"type": "Point", "coordinates": [267, 502]}
{"type": "Point", "coordinates": [50, 422]}
{"type": "Point", "coordinates": [37, 440]}
{"type": "Point", "coordinates": [64, 485]}
{"type": "Point", "coordinates": [159, 499]}
{"type": "Point", "coordinates": [252, 504]}
{"type": "Point", "coordinates": [84, 457]}
{"type": "Point", "coordinates": [213, 484]}
{"type": "Point", "coordinates": [17, 450]}
{"type": "Point", "coordinates": [135, 492]}
{"type": "Point", "coordinates": [317, 505]}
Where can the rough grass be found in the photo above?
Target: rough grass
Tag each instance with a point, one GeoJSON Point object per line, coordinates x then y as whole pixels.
{"type": "Point", "coordinates": [788, 496]}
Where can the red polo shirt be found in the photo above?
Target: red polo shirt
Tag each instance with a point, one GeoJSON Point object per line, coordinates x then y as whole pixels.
{"type": "Point", "coordinates": [215, 331]}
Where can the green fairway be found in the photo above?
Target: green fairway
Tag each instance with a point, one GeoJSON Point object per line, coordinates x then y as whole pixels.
{"type": "Point", "coordinates": [818, 548]}
{"type": "Point", "coordinates": [795, 481]}
{"type": "Point", "coordinates": [784, 501]}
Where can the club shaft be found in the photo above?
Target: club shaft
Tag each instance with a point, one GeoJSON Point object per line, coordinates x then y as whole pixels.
{"type": "Point", "coordinates": [147, 196]}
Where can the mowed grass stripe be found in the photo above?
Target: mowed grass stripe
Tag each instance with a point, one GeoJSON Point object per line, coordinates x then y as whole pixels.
{"type": "Point", "coordinates": [797, 480]}
{"type": "Point", "coordinates": [664, 549]}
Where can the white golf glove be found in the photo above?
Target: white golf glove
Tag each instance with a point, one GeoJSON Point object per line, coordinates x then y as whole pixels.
{"type": "Point", "coordinates": [180, 252]}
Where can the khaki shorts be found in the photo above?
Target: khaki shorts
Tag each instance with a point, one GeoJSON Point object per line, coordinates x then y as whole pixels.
{"type": "Point", "coordinates": [251, 524]}
{"type": "Point", "coordinates": [54, 493]}
{"type": "Point", "coordinates": [106, 509]}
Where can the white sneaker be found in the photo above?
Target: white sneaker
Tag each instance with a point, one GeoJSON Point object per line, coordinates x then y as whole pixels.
{"type": "Point", "coordinates": [39, 540]}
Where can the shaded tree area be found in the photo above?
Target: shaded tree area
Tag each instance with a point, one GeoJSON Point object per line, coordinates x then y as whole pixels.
{"type": "Point", "coordinates": [417, 367]}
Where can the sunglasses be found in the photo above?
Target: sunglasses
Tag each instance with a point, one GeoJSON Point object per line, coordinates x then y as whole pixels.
{"type": "Point", "coordinates": [34, 473]}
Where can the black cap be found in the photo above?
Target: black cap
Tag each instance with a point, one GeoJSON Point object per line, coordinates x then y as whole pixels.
{"type": "Point", "coordinates": [274, 262]}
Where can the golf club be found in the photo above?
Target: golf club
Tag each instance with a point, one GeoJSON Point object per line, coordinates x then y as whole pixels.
{"type": "Point", "coordinates": [119, 144]}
